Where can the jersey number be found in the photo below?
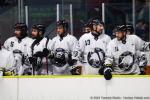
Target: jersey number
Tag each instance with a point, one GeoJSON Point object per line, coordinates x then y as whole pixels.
{"type": "Point", "coordinates": [87, 42]}
{"type": "Point", "coordinates": [12, 44]}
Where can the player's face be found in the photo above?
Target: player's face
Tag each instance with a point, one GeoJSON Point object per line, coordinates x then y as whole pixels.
{"type": "Point", "coordinates": [120, 35]}
{"type": "Point", "coordinates": [60, 30]}
{"type": "Point", "coordinates": [34, 33]}
{"type": "Point", "coordinates": [18, 33]}
{"type": "Point", "coordinates": [98, 28]}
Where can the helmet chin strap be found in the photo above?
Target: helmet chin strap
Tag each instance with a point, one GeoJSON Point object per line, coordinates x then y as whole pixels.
{"type": "Point", "coordinates": [95, 35]}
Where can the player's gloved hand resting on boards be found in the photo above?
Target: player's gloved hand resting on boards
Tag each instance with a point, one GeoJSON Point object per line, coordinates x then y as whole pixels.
{"type": "Point", "coordinates": [107, 72]}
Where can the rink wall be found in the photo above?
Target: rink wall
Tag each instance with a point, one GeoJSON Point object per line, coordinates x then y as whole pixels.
{"type": "Point", "coordinates": [92, 87]}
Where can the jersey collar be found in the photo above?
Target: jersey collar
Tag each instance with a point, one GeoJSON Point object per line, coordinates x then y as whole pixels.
{"type": "Point", "coordinates": [100, 36]}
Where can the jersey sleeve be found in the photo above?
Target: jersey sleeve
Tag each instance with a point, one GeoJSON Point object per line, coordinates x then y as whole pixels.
{"type": "Point", "coordinates": [109, 53]}
{"type": "Point", "coordinates": [75, 50]}
{"type": "Point", "coordinates": [28, 48]}
{"type": "Point", "coordinates": [139, 42]}
{"type": "Point", "coordinates": [81, 44]}
{"type": "Point", "coordinates": [6, 44]}
{"type": "Point", "coordinates": [11, 62]}
{"type": "Point", "coordinates": [51, 44]}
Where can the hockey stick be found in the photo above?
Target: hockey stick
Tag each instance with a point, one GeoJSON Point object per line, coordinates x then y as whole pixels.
{"type": "Point", "coordinates": [47, 57]}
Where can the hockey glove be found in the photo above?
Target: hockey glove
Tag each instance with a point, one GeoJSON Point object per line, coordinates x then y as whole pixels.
{"type": "Point", "coordinates": [45, 52]}
{"type": "Point", "coordinates": [101, 71]}
{"type": "Point", "coordinates": [107, 72]}
{"type": "Point", "coordinates": [38, 54]}
{"type": "Point", "coordinates": [142, 70]}
{"type": "Point", "coordinates": [32, 60]}
{"type": "Point", "coordinates": [76, 70]}
{"type": "Point", "coordinates": [51, 55]}
{"type": "Point", "coordinates": [72, 62]}
{"type": "Point", "coordinates": [8, 73]}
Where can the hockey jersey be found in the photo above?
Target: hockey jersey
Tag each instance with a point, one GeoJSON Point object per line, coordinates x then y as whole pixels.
{"type": "Point", "coordinates": [88, 45]}
{"type": "Point", "coordinates": [124, 56]}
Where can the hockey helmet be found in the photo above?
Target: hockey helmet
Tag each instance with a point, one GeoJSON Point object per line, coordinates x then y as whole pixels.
{"type": "Point", "coordinates": [95, 22]}
{"type": "Point", "coordinates": [62, 23]}
{"type": "Point", "coordinates": [39, 27]}
{"type": "Point", "coordinates": [121, 28]}
{"type": "Point", "coordinates": [21, 26]}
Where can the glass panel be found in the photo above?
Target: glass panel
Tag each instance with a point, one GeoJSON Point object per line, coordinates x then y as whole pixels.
{"type": "Point", "coordinates": [8, 17]}
{"type": "Point", "coordinates": [142, 19]}
{"type": "Point", "coordinates": [117, 13]}
{"type": "Point", "coordinates": [43, 11]}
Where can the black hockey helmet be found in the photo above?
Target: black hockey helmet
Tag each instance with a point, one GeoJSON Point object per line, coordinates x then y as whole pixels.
{"type": "Point", "coordinates": [39, 27]}
{"type": "Point", "coordinates": [95, 22]}
{"type": "Point", "coordinates": [121, 28]}
{"type": "Point", "coordinates": [21, 26]}
{"type": "Point", "coordinates": [62, 23]}
{"type": "Point", "coordinates": [130, 28]}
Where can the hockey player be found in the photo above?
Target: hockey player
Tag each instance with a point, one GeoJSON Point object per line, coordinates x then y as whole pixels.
{"type": "Point", "coordinates": [145, 48]}
{"type": "Point", "coordinates": [20, 40]}
{"type": "Point", "coordinates": [38, 50]}
{"type": "Point", "coordinates": [123, 53]}
{"type": "Point", "coordinates": [7, 63]}
{"type": "Point", "coordinates": [93, 47]}
{"type": "Point", "coordinates": [19, 44]}
{"type": "Point", "coordinates": [63, 50]}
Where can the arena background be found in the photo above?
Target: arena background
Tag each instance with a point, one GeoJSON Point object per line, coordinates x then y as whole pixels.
{"type": "Point", "coordinates": [47, 12]}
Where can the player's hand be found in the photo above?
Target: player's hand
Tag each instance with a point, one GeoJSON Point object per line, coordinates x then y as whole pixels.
{"type": "Point", "coordinates": [32, 59]}
{"type": "Point", "coordinates": [38, 54]}
{"type": "Point", "coordinates": [8, 73]}
{"type": "Point", "coordinates": [76, 70]}
{"type": "Point", "coordinates": [101, 71]}
{"type": "Point", "coordinates": [107, 71]}
{"type": "Point", "coordinates": [51, 55]}
{"type": "Point", "coordinates": [72, 62]}
{"type": "Point", "coordinates": [108, 75]}
{"type": "Point", "coordinates": [45, 52]}
{"type": "Point", "coordinates": [142, 70]}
